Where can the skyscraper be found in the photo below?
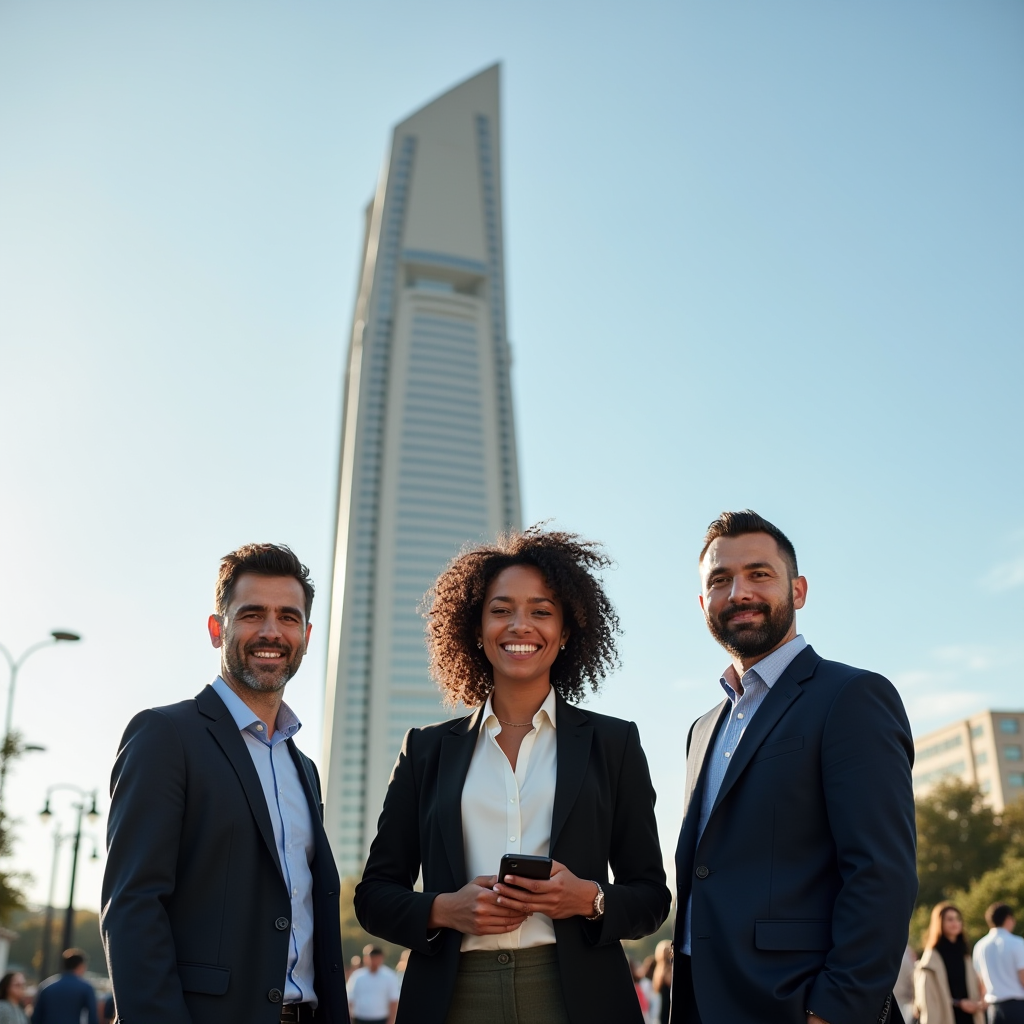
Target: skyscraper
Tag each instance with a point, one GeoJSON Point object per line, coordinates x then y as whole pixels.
{"type": "Point", "coordinates": [428, 455]}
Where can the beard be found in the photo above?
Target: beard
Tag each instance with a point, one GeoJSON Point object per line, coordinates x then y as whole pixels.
{"type": "Point", "coordinates": [269, 679]}
{"type": "Point", "coordinates": [747, 639]}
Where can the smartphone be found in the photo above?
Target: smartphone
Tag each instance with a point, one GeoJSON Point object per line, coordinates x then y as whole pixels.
{"type": "Point", "coordinates": [524, 866]}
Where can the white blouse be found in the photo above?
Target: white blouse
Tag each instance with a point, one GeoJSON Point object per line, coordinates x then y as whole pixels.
{"type": "Point", "coordinates": [510, 812]}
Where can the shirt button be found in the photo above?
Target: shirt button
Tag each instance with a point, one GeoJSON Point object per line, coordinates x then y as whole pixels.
{"type": "Point", "coordinates": [727, 753]}
{"type": "Point", "coordinates": [511, 839]}
{"type": "Point", "coordinates": [295, 892]}
{"type": "Point", "coordinates": [259, 728]}
{"type": "Point", "coordinates": [739, 714]}
{"type": "Point", "coordinates": [513, 800]}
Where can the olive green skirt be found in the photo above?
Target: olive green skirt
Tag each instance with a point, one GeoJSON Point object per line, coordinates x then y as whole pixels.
{"type": "Point", "coordinates": [508, 986]}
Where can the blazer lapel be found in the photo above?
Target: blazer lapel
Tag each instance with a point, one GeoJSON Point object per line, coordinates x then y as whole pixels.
{"type": "Point", "coordinates": [773, 707]}
{"type": "Point", "coordinates": [703, 736]}
{"type": "Point", "coordinates": [225, 732]}
{"type": "Point", "coordinates": [456, 753]}
{"type": "Point", "coordinates": [574, 734]}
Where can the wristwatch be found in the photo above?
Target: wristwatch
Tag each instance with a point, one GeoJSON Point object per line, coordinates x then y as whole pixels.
{"type": "Point", "coordinates": [598, 903]}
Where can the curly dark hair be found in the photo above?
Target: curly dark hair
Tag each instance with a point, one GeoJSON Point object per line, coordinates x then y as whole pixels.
{"type": "Point", "coordinates": [454, 610]}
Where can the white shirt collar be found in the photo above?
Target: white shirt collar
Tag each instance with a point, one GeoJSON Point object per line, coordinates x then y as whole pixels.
{"type": "Point", "coordinates": [545, 711]}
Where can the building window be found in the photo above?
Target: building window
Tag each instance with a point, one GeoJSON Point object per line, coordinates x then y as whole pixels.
{"type": "Point", "coordinates": [1011, 753]}
{"type": "Point", "coordinates": [981, 758]}
{"type": "Point", "coordinates": [938, 748]}
{"type": "Point", "coordinates": [1016, 778]}
{"type": "Point", "coordinates": [1009, 725]}
{"type": "Point", "coordinates": [977, 730]}
{"type": "Point", "coordinates": [957, 768]}
{"type": "Point", "coordinates": [985, 785]}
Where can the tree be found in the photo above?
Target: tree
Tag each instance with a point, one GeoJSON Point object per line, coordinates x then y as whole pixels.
{"type": "Point", "coordinates": [12, 894]}
{"type": "Point", "coordinates": [958, 840]}
{"type": "Point", "coordinates": [1004, 884]}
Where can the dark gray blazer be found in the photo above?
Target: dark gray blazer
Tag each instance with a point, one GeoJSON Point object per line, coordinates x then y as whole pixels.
{"type": "Point", "coordinates": [603, 813]}
{"type": "Point", "coordinates": [805, 878]}
{"type": "Point", "coordinates": [195, 916]}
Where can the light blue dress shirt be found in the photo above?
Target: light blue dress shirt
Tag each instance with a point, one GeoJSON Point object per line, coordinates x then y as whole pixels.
{"type": "Point", "coordinates": [293, 829]}
{"type": "Point", "coordinates": [756, 682]}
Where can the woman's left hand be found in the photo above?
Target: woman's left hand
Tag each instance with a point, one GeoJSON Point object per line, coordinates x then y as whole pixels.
{"type": "Point", "coordinates": [562, 895]}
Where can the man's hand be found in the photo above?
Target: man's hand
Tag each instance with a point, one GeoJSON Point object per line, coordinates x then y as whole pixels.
{"type": "Point", "coordinates": [562, 895]}
{"type": "Point", "coordinates": [474, 910]}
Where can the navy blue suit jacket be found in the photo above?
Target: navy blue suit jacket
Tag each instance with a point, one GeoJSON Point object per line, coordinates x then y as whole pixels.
{"type": "Point", "coordinates": [61, 1000]}
{"type": "Point", "coordinates": [805, 877]}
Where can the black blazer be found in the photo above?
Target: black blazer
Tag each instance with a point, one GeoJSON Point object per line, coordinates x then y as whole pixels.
{"type": "Point", "coordinates": [805, 877]}
{"type": "Point", "coordinates": [603, 814]}
{"type": "Point", "coordinates": [196, 911]}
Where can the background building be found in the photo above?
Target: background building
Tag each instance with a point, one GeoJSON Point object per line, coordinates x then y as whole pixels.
{"type": "Point", "coordinates": [986, 750]}
{"type": "Point", "coordinates": [428, 455]}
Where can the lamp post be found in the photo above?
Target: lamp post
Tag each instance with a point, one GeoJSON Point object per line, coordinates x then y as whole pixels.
{"type": "Point", "coordinates": [56, 637]}
{"type": "Point", "coordinates": [44, 951]}
{"type": "Point", "coordinates": [92, 813]}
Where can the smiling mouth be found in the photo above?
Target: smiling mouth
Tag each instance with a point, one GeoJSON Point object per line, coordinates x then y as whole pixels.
{"type": "Point", "coordinates": [520, 648]}
{"type": "Point", "coordinates": [267, 655]}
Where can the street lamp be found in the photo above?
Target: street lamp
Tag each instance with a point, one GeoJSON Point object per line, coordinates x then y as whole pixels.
{"type": "Point", "coordinates": [92, 813]}
{"type": "Point", "coordinates": [56, 637]}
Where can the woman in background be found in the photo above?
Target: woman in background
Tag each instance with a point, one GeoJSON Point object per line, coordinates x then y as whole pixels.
{"type": "Point", "coordinates": [12, 996]}
{"type": "Point", "coordinates": [662, 979]}
{"type": "Point", "coordinates": [946, 987]}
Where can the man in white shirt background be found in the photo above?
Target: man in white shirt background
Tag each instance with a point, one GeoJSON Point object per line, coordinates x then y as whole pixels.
{"type": "Point", "coordinates": [373, 990]}
{"type": "Point", "coordinates": [999, 960]}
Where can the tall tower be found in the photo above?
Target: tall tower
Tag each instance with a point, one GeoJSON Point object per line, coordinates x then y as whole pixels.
{"type": "Point", "coordinates": [428, 454]}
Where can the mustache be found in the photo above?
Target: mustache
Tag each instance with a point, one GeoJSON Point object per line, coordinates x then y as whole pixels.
{"type": "Point", "coordinates": [266, 645]}
{"type": "Point", "coordinates": [736, 609]}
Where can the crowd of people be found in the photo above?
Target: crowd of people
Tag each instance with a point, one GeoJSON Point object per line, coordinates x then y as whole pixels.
{"type": "Point", "coordinates": [221, 895]}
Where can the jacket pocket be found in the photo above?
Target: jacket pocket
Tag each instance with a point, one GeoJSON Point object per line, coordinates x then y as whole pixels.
{"type": "Point", "coordinates": [793, 935]}
{"type": "Point", "coordinates": [779, 747]}
{"type": "Point", "coordinates": [210, 981]}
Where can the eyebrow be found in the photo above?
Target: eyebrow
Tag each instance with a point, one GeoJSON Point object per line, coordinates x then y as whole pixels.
{"type": "Point", "coordinates": [749, 565]}
{"type": "Point", "coordinates": [289, 609]}
{"type": "Point", "coordinates": [529, 600]}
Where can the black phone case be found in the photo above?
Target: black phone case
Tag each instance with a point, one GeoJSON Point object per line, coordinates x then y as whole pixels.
{"type": "Point", "coordinates": [526, 866]}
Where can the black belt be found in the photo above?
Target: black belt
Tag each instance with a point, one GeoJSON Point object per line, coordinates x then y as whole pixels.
{"type": "Point", "coordinates": [297, 1013]}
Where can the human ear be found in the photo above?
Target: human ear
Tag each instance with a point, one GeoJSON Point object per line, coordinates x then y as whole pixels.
{"type": "Point", "coordinates": [215, 625]}
{"type": "Point", "coordinates": [799, 591]}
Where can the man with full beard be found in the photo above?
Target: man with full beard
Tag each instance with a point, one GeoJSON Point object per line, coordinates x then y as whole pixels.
{"type": "Point", "coordinates": [220, 895]}
{"type": "Point", "coordinates": [796, 859]}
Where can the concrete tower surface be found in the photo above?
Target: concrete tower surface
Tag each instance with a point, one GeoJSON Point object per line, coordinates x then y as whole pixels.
{"type": "Point", "coordinates": [428, 454]}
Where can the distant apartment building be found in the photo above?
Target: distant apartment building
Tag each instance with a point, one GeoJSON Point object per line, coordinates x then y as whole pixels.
{"type": "Point", "coordinates": [986, 750]}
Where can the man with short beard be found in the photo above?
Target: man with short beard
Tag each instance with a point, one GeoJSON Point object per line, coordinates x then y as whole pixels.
{"type": "Point", "coordinates": [220, 895]}
{"type": "Point", "coordinates": [796, 860]}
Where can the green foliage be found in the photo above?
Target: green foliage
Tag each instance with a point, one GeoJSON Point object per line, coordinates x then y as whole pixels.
{"type": "Point", "coordinates": [958, 840]}
{"type": "Point", "coordinates": [968, 854]}
{"type": "Point", "coordinates": [12, 883]}
{"type": "Point", "coordinates": [353, 938]}
{"type": "Point", "coordinates": [1004, 884]}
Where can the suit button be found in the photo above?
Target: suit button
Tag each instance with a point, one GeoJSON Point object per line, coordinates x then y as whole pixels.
{"type": "Point", "coordinates": [281, 924]}
{"type": "Point", "coordinates": [274, 995]}
{"type": "Point", "coordinates": [503, 958]}
{"type": "Point", "coordinates": [702, 872]}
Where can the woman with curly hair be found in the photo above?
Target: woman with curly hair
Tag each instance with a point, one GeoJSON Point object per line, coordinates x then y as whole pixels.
{"type": "Point", "coordinates": [520, 630]}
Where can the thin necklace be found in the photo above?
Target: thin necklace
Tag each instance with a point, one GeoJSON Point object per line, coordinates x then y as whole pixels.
{"type": "Point", "coordinates": [515, 725]}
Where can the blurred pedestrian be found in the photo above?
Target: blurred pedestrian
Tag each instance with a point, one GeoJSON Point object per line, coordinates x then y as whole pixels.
{"type": "Point", "coordinates": [221, 894]}
{"type": "Point", "coordinates": [403, 962]}
{"type": "Point", "coordinates": [12, 998]}
{"type": "Point", "coordinates": [946, 989]}
{"type": "Point", "coordinates": [373, 990]}
{"type": "Point", "coordinates": [353, 965]}
{"type": "Point", "coordinates": [999, 959]}
{"type": "Point", "coordinates": [64, 999]}
{"type": "Point", "coordinates": [108, 1013]}
{"type": "Point", "coordinates": [520, 630]}
{"type": "Point", "coordinates": [662, 980]}
{"type": "Point", "coordinates": [798, 798]}
{"type": "Point", "coordinates": [903, 990]}
{"type": "Point", "coordinates": [643, 972]}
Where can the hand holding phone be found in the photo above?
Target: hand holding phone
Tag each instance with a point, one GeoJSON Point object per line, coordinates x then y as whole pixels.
{"type": "Point", "coordinates": [524, 866]}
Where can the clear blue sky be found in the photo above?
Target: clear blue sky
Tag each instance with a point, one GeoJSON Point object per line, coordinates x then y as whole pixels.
{"type": "Point", "coordinates": [762, 255]}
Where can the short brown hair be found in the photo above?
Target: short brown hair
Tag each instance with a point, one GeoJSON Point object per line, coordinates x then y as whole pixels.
{"type": "Point", "coordinates": [736, 524]}
{"type": "Point", "coordinates": [260, 560]}
{"type": "Point", "coordinates": [454, 611]}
